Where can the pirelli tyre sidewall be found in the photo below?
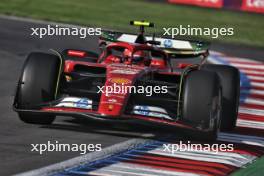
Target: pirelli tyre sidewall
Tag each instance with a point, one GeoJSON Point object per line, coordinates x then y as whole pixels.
{"type": "Point", "coordinates": [230, 82]}
{"type": "Point", "coordinates": [38, 84]}
{"type": "Point", "coordinates": [202, 103]}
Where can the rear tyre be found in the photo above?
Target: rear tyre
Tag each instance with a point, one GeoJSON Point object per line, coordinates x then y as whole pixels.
{"type": "Point", "coordinates": [230, 82]}
{"type": "Point", "coordinates": [37, 85]}
{"type": "Point", "coordinates": [202, 103]}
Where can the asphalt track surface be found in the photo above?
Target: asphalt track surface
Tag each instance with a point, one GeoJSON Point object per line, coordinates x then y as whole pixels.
{"type": "Point", "coordinates": [16, 137]}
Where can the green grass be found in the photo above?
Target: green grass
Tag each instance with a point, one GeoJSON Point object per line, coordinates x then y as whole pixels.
{"type": "Point", "coordinates": [115, 14]}
{"type": "Point", "coordinates": [254, 169]}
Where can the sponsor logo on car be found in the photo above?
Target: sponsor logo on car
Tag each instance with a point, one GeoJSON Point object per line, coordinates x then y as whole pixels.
{"type": "Point", "coordinates": [151, 111]}
{"type": "Point", "coordinates": [118, 80]}
{"type": "Point", "coordinates": [142, 110]}
{"type": "Point", "coordinates": [82, 103]}
{"type": "Point", "coordinates": [112, 100]}
{"type": "Point", "coordinates": [126, 72]}
{"type": "Point", "coordinates": [167, 43]}
{"type": "Point", "coordinates": [75, 102]}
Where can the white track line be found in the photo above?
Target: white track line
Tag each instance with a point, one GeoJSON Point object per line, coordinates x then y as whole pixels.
{"type": "Point", "coordinates": [244, 139]}
{"type": "Point", "coordinates": [210, 153]}
{"type": "Point", "coordinates": [137, 169]}
{"type": "Point", "coordinates": [254, 101]}
{"type": "Point", "coordinates": [246, 66]}
{"type": "Point", "coordinates": [259, 78]}
{"type": "Point", "coordinates": [252, 72]}
{"type": "Point", "coordinates": [250, 124]}
{"type": "Point", "coordinates": [251, 111]}
{"type": "Point", "coordinates": [256, 84]}
{"type": "Point", "coordinates": [242, 60]}
{"type": "Point", "coordinates": [253, 91]}
{"type": "Point", "coordinates": [238, 162]}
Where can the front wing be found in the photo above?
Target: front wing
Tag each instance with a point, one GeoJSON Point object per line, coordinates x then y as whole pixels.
{"type": "Point", "coordinates": [82, 109]}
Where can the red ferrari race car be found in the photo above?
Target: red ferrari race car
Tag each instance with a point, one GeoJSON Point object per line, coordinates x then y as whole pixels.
{"type": "Point", "coordinates": [140, 80]}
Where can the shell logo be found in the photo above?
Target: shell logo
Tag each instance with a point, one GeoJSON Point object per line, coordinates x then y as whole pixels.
{"type": "Point", "coordinates": [120, 81]}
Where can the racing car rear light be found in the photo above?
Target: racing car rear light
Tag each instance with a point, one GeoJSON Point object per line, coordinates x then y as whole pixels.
{"type": "Point", "coordinates": [75, 53]}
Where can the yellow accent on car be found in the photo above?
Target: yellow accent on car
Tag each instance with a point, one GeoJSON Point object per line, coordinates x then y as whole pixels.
{"type": "Point", "coordinates": [60, 71]}
{"type": "Point", "coordinates": [118, 80]}
{"type": "Point", "coordinates": [142, 23]}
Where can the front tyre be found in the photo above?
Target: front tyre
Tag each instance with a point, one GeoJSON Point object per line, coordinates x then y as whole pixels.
{"type": "Point", "coordinates": [202, 103]}
{"type": "Point", "coordinates": [38, 84]}
{"type": "Point", "coordinates": [230, 82]}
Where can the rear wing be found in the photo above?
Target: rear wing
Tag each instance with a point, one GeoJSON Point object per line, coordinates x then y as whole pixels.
{"type": "Point", "coordinates": [173, 47]}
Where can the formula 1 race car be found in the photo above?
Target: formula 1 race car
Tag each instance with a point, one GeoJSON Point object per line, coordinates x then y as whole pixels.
{"type": "Point", "coordinates": [140, 80]}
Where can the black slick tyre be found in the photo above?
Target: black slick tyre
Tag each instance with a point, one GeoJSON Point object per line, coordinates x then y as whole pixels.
{"type": "Point", "coordinates": [230, 82]}
{"type": "Point", "coordinates": [38, 84]}
{"type": "Point", "coordinates": [202, 103]}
